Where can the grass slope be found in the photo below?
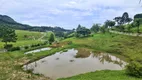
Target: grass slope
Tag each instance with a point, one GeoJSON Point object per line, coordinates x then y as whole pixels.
{"type": "Point", "coordinates": [122, 46]}
{"type": "Point", "coordinates": [11, 65]}
{"type": "Point", "coordinates": [31, 38]}
{"type": "Point", "coordinates": [102, 75]}
{"type": "Point", "coordinates": [127, 46]}
{"type": "Point", "coordinates": [31, 35]}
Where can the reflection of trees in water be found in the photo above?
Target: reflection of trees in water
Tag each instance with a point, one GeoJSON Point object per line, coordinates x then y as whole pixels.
{"type": "Point", "coordinates": [106, 57]}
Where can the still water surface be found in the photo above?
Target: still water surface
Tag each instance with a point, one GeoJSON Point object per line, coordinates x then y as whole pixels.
{"type": "Point", "coordinates": [64, 64]}
{"type": "Point", "coordinates": [38, 50]}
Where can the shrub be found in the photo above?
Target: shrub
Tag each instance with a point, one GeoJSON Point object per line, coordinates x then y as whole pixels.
{"type": "Point", "coordinates": [134, 69]}
{"type": "Point", "coordinates": [32, 45]}
{"type": "Point", "coordinates": [35, 45]}
{"type": "Point", "coordinates": [14, 49]}
{"type": "Point", "coordinates": [26, 47]}
{"type": "Point", "coordinates": [8, 46]}
{"type": "Point", "coordinates": [38, 45]}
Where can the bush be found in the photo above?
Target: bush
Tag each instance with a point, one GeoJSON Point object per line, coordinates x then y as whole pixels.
{"type": "Point", "coordinates": [35, 45]}
{"type": "Point", "coordinates": [26, 47]}
{"type": "Point", "coordinates": [8, 46]}
{"type": "Point", "coordinates": [134, 69]}
{"type": "Point", "coordinates": [32, 45]}
{"type": "Point", "coordinates": [14, 49]}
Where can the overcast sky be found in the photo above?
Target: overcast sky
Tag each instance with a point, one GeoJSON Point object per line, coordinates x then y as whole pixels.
{"type": "Point", "coordinates": [67, 13]}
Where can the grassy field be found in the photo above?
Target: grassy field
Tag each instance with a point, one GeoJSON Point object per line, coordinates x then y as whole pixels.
{"type": "Point", "coordinates": [102, 75]}
{"type": "Point", "coordinates": [27, 38]}
{"type": "Point", "coordinates": [28, 35]}
{"type": "Point", "coordinates": [134, 30]}
{"type": "Point", "coordinates": [125, 47]}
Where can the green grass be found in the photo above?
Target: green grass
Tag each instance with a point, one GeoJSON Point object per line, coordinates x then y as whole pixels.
{"type": "Point", "coordinates": [127, 46]}
{"type": "Point", "coordinates": [31, 35]}
{"type": "Point", "coordinates": [32, 38]}
{"type": "Point", "coordinates": [102, 75]}
{"type": "Point", "coordinates": [11, 64]}
{"type": "Point", "coordinates": [134, 30]}
{"type": "Point", "coordinates": [122, 46]}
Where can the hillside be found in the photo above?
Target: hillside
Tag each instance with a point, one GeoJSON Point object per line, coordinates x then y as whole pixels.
{"type": "Point", "coordinates": [11, 23]}
{"type": "Point", "coordinates": [7, 19]}
{"type": "Point", "coordinates": [25, 38]}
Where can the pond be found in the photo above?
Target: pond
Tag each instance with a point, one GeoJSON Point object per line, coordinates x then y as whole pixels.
{"type": "Point", "coordinates": [38, 50]}
{"type": "Point", "coordinates": [65, 64]}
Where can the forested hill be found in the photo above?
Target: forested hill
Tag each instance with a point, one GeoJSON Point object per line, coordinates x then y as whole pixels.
{"type": "Point", "coordinates": [11, 23]}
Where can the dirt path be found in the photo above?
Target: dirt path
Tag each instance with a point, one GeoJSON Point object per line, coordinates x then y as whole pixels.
{"type": "Point", "coordinates": [41, 38]}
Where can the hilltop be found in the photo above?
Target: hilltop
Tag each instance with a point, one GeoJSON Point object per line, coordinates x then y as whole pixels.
{"type": "Point", "coordinates": [11, 23]}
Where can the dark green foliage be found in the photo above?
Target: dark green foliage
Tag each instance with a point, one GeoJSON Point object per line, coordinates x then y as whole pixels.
{"type": "Point", "coordinates": [35, 45]}
{"type": "Point", "coordinates": [124, 19]}
{"type": "Point", "coordinates": [8, 35]}
{"type": "Point", "coordinates": [8, 46]}
{"type": "Point", "coordinates": [7, 18]}
{"type": "Point", "coordinates": [118, 20]}
{"type": "Point", "coordinates": [14, 49]}
{"type": "Point", "coordinates": [109, 23]}
{"type": "Point", "coordinates": [95, 28]}
{"type": "Point", "coordinates": [138, 16]}
{"type": "Point", "coordinates": [134, 69]}
{"type": "Point", "coordinates": [103, 29]}
{"type": "Point", "coordinates": [26, 47]}
{"type": "Point", "coordinates": [137, 23]}
{"type": "Point", "coordinates": [82, 31]}
{"type": "Point", "coordinates": [10, 23]}
{"type": "Point", "coordinates": [59, 34]}
{"type": "Point", "coordinates": [45, 42]}
{"type": "Point", "coordinates": [121, 28]}
{"type": "Point", "coordinates": [51, 38]}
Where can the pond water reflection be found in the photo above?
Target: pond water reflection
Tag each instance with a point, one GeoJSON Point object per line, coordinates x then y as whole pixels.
{"type": "Point", "coordinates": [65, 64]}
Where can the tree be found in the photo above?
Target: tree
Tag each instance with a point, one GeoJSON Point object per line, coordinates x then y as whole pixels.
{"type": "Point", "coordinates": [125, 18]}
{"type": "Point", "coordinates": [103, 29]}
{"type": "Point", "coordinates": [51, 38]}
{"type": "Point", "coordinates": [95, 28]}
{"type": "Point", "coordinates": [79, 27]}
{"type": "Point", "coordinates": [8, 35]}
{"type": "Point", "coordinates": [137, 23]}
{"type": "Point", "coordinates": [82, 31]}
{"type": "Point", "coordinates": [129, 20]}
{"type": "Point", "coordinates": [137, 16]}
{"type": "Point", "coordinates": [109, 23]}
{"type": "Point", "coordinates": [118, 20]}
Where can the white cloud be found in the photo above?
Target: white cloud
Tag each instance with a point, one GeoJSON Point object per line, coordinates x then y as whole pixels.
{"type": "Point", "coordinates": [67, 13]}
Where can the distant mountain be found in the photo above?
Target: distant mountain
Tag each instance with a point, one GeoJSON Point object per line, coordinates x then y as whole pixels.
{"type": "Point", "coordinates": [6, 18]}
{"type": "Point", "coordinates": [11, 23]}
